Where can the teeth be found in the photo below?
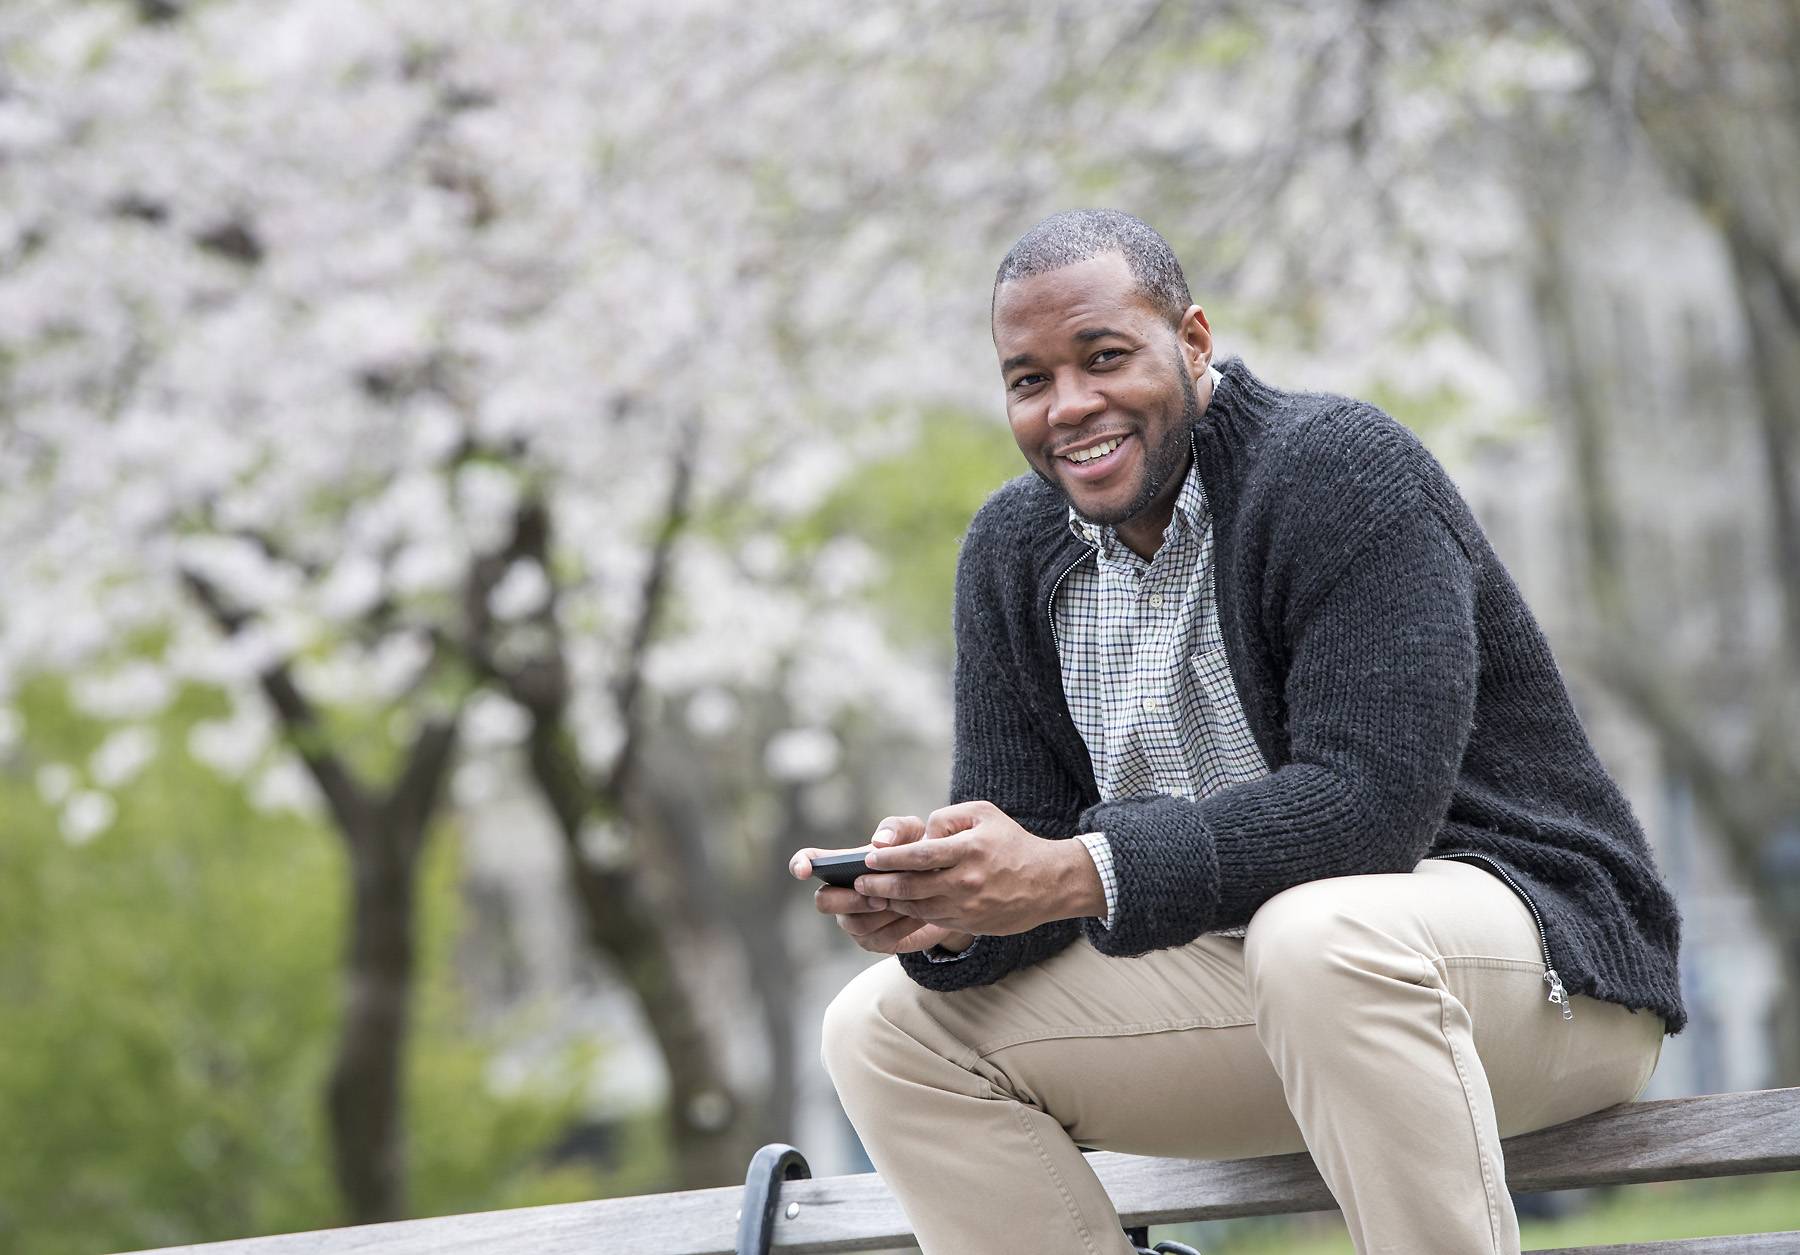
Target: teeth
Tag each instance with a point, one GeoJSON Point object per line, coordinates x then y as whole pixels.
{"type": "Point", "coordinates": [1098, 451]}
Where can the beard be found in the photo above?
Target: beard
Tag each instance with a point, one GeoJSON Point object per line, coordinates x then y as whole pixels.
{"type": "Point", "coordinates": [1164, 463]}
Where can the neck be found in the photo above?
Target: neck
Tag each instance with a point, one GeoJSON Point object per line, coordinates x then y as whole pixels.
{"type": "Point", "coordinates": [1143, 532]}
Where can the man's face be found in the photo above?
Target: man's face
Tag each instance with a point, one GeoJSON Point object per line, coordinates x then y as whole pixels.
{"type": "Point", "coordinates": [1088, 361]}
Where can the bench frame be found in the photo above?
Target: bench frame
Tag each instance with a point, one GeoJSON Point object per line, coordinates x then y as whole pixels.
{"type": "Point", "coordinates": [1679, 1139]}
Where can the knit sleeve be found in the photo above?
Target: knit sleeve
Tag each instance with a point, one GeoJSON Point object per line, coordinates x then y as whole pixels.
{"type": "Point", "coordinates": [1380, 694]}
{"type": "Point", "coordinates": [998, 756]}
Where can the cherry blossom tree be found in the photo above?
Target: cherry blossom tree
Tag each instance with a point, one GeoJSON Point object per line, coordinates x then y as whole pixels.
{"type": "Point", "coordinates": [373, 369]}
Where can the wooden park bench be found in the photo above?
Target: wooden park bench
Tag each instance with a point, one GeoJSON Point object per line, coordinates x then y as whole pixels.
{"type": "Point", "coordinates": [1679, 1139]}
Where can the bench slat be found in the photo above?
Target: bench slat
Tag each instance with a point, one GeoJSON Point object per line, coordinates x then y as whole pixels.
{"type": "Point", "coordinates": [1753, 1243]}
{"type": "Point", "coordinates": [1670, 1140]}
{"type": "Point", "coordinates": [1674, 1139]}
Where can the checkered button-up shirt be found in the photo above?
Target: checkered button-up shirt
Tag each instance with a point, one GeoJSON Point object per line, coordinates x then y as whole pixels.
{"type": "Point", "coordinates": [1144, 671]}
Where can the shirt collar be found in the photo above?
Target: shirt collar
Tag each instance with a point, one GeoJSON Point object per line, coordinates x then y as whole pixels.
{"type": "Point", "coordinates": [1190, 503]}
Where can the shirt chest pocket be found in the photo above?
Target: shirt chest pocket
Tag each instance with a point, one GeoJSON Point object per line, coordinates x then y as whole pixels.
{"type": "Point", "coordinates": [1212, 672]}
{"type": "Point", "coordinates": [1230, 753]}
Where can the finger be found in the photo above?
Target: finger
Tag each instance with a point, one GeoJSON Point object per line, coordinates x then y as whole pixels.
{"type": "Point", "coordinates": [898, 830]}
{"type": "Point", "coordinates": [836, 900]}
{"type": "Point", "coordinates": [863, 925]}
{"type": "Point", "coordinates": [920, 856]}
{"type": "Point", "coordinates": [801, 864]}
{"type": "Point", "coordinates": [900, 886]}
{"type": "Point", "coordinates": [957, 817]}
{"type": "Point", "coordinates": [888, 937]}
{"type": "Point", "coordinates": [939, 911]}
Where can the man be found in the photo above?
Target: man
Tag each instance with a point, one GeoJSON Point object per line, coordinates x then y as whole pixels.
{"type": "Point", "coordinates": [1347, 876]}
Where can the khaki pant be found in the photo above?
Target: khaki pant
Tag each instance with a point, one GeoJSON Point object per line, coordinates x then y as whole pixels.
{"type": "Point", "coordinates": [1396, 1026]}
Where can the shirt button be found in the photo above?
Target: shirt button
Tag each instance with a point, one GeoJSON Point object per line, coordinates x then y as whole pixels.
{"type": "Point", "coordinates": [1152, 705]}
{"type": "Point", "coordinates": [1156, 601]}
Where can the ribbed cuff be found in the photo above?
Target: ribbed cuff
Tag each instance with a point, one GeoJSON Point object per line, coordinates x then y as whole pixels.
{"type": "Point", "coordinates": [937, 954]}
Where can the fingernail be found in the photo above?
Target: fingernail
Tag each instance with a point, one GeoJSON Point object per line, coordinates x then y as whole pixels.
{"type": "Point", "coordinates": [880, 904]}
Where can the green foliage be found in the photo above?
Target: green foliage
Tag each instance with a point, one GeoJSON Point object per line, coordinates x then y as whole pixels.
{"type": "Point", "coordinates": [913, 508]}
{"type": "Point", "coordinates": [171, 992]}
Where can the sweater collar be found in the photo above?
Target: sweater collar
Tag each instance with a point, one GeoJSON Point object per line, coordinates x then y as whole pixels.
{"type": "Point", "coordinates": [1190, 503]}
{"type": "Point", "coordinates": [1241, 410]}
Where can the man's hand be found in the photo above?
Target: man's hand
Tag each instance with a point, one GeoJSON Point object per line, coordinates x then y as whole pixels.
{"type": "Point", "coordinates": [977, 871]}
{"type": "Point", "coordinates": [869, 922]}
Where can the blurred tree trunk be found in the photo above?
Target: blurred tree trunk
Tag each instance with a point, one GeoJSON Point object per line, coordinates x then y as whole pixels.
{"type": "Point", "coordinates": [746, 911]}
{"type": "Point", "coordinates": [384, 833]}
{"type": "Point", "coordinates": [754, 904]}
{"type": "Point", "coordinates": [363, 1095]}
{"type": "Point", "coordinates": [641, 928]}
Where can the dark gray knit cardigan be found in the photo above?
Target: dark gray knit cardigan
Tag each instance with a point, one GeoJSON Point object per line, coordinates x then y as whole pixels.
{"type": "Point", "coordinates": [1401, 691]}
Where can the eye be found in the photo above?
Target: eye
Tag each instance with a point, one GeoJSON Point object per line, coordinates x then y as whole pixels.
{"type": "Point", "coordinates": [1024, 381]}
{"type": "Point", "coordinates": [1106, 355]}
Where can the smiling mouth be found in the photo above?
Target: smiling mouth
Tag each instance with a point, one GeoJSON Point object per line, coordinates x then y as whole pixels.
{"type": "Point", "coordinates": [1096, 461]}
{"type": "Point", "coordinates": [1093, 453]}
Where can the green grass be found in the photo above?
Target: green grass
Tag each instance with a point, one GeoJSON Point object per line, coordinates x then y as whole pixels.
{"type": "Point", "coordinates": [1637, 1213]}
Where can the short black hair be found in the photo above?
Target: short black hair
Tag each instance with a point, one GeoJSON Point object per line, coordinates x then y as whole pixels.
{"type": "Point", "coordinates": [1076, 235]}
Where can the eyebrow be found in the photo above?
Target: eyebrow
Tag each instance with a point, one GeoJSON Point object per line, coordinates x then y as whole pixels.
{"type": "Point", "coordinates": [1085, 336]}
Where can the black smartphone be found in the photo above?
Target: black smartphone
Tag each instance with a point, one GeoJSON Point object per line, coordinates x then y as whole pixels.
{"type": "Point", "coordinates": [840, 869]}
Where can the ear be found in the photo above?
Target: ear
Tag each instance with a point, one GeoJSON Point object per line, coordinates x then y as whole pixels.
{"type": "Point", "coordinates": [1195, 337]}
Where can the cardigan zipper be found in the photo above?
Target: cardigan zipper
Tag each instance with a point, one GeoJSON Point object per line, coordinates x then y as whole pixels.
{"type": "Point", "coordinates": [1558, 994]}
{"type": "Point", "coordinates": [1050, 601]}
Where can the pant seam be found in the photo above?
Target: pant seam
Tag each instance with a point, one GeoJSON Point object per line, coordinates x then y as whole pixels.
{"type": "Point", "coordinates": [1462, 1076]}
{"type": "Point", "coordinates": [1081, 1227]}
{"type": "Point", "coordinates": [1110, 1030]}
{"type": "Point", "coordinates": [1488, 962]}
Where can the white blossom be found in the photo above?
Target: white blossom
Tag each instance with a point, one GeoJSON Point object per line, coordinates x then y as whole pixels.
{"type": "Point", "coordinates": [351, 590]}
{"type": "Point", "coordinates": [713, 711]}
{"type": "Point", "coordinates": [486, 498]}
{"type": "Point", "coordinates": [122, 756]}
{"type": "Point", "coordinates": [493, 722]}
{"type": "Point", "coordinates": [802, 754]}
{"type": "Point", "coordinates": [521, 592]}
{"type": "Point", "coordinates": [286, 785]}
{"type": "Point", "coordinates": [137, 689]}
{"type": "Point", "coordinates": [232, 746]}
{"type": "Point", "coordinates": [86, 815]}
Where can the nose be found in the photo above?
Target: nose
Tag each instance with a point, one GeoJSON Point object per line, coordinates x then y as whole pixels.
{"type": "Point", "coordinates": [1073, 400]}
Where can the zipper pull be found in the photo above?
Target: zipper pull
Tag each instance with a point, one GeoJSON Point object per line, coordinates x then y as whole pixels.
{"type": "Point", "coordinates": [1558, 994]}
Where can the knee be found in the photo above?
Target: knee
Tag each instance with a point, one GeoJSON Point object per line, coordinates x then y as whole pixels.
{"type": "Point", "coordinates": [861, 1021]}
{"type": "Point", "coordinates": [1315, 947]}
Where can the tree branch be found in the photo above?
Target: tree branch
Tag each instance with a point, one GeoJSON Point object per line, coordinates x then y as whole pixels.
{"type": "Point", "coordinates": [346, 796]}
{"type": "Point", "coordinates": [631, 675]}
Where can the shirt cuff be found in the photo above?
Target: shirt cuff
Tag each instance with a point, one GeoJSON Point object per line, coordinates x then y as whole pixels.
{"type": "Point", "coordinates": [1100, 850]}
{"type": "Point", "coordinates": [937, 954]}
